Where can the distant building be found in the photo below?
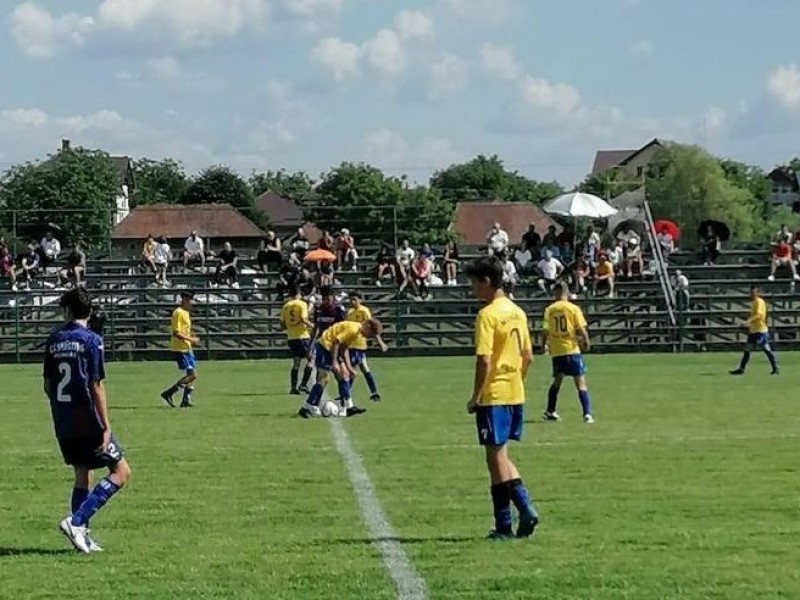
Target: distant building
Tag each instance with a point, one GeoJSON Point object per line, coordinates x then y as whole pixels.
{"type": "Point", "coordinates": [215, 223]}
{"type": "Point", "coordinates": [785, 188]}
{"type": "Point", "coordinates": [633, 162]}
{"type": "Point", "coordinates": [285, 217]}
{"type": "Point", "coordinates": [473, 220]}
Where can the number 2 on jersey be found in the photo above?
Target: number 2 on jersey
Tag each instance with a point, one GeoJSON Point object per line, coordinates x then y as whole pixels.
{"type": "Point", "coordinates": [65, 369]}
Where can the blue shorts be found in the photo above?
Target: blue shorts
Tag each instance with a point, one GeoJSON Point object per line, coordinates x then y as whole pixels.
{"type": "Point", "coordinates": [322, 358]}
{"type": "Point", "coordinates": [758, 339]}
{"type": "Point", "coordinates": [571, 365]}
{"type": "Point", "coordinates": [499, 424]}
{"type": "Point", "coordinates": [186, 361]}
{"type": "Point", "coordinates": [300, 348]}
{"type": "Point", "coordinates": [357, 357]}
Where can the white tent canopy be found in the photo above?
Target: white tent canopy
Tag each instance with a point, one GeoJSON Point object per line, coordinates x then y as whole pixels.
{"type": "Point", "coordinates": [580, 205]}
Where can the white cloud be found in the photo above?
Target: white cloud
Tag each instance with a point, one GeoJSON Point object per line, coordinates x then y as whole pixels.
{"type": "Point", "coordinates": [385, 148]}
{"type": "Point", "coordinates": [483, 13]}
{"type": "Point", "coordinates": [559, 98]}
{"type": "Point", "coordinates": [437, 153]}
{"type": "Point", "coordinates": [310, 8]}
{"type": "Point", "coordinates": [339, 57]}
{"type": "Point", "coordinates": [499, 61]}
{"type": "Point", "coordinates": [448, 75]}
{"type": "Point", "coordinates": [412, 24]}
{"type": "Point", "coordinates": [24, 118]}
{"type": "Point", "coordinates": [715, 118]}
{"type": "Point", "coordinates": [166, 68]}
{"type": "Point", "coordinates": [643, 48]}
{"type": "Point", "coordinates": [40, 35]}
{"type": "Point", "coordinates": [386, 54]}
{"type": "Point", "coordinates": [103, 120]}
{"type": "Point", "coordinates": [784, 85]}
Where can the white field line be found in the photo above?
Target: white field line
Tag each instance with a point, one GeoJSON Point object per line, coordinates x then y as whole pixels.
{"type": "Point", "coordinates": [410, 586]}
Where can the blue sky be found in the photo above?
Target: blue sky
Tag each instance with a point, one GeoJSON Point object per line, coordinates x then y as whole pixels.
{"type": "Point", "coordinates": [409, 86]}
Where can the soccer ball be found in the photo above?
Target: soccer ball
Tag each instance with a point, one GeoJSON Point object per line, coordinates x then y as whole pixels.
{"type": "Point", "coordinates": [330, 409]}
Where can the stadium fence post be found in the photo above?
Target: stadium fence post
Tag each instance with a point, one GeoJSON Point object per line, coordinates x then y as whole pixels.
{"type": "Point", "coordinates": [207, 336]}
{"type": "Point", "coordinates": [17, 350]}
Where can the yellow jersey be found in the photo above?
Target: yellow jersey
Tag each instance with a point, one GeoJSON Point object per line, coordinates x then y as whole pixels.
{"type": "Point", "coordinates": [562, 322]}
{"type": "Point", "coordinates": [501, 333]}
{"type": "Point", "coordinates": [359, 315]}
{"type": "Point", "coordinates": [758, 316]}
{"type": "Point", "coordinates": [294, 316]}
{"type": "Point", "coordinates": [345, 333]}
{"type": "Point", "coordinates": [182, 323]}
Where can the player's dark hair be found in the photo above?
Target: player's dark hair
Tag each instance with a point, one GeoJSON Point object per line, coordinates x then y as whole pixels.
{"type": "Point", "coordinates": [561, 290]}
{"type": "Point", "coordinates": [755, 289]}
{"type": "Point", "coordinates": [187, 294]}
{"type": "Point", "coordinates": [486, 267]}
{"type": "Point", "coordinates": [294, 290]}
{"type": "Point", "coordinates": [78, 302]}
{"type": "Point", "coordinates": [326, 290]}
{"type": "Point", "coordinates": [355, 294]}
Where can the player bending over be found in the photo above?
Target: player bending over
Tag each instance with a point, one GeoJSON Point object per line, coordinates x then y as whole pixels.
{"type": "Point", "coordinates": [332, 354]}
{"type": "Point", "coordinates": [565, 336]}
{"type": "Point", "coordinates": [181, 343]}
{"type": "Point", "coordinates": [358, 313]}
{"type": "Point", "coordinates": [294, 320]}
{"type": "Point", "coordinates": [758, 334]}
{"type": "Point", "coordinates": [74, 371]}
{"type": "Point", "coordinates": [503, 355]}
{"type": "Point", "coordinates": [327, 313]}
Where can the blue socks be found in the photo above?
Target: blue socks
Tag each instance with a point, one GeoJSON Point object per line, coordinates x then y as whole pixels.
{"type": "Point", "coordinates": [773, 362]}
{"type": "Point", "coordinates": [502, 508]}
{"type": "Point", "coordinates": [522, 501]}
{"type": "Point", "coordinates": [78, 497]}
{"type": "Point", "coordinates": [552, 399]}
{"type": "Point", "coordinates": [101, 494]}
{"type": "Point", "coordinates": [344, 389]}
{"type": "Point", "coordinates": [586, 403]}
{"type": "Point", "coordinates": [745, 360]}
{"type": "Point", "coordinates": [373, 387]}
{"type": "Point", "coordinates": [315, 396]}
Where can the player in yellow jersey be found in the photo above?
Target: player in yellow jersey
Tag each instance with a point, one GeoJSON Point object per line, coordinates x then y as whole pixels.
{"type": "Point", "coordinates": [181, 343]}
{"type": "Point", "coordinates": [565, 336]}
{"type": "Point", "coordinates": [294, 321]}
{"type": "Point", "coordinates": [757, 334]}
{"type": "Point", "coordinates": [503, 354]}
{"type": "Point", "coordinates": [358, 313]}
{"type": "Point", "coordinates": [332, 354]}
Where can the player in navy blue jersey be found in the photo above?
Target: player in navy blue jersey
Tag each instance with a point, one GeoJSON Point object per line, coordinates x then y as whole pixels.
{"type": "Point", "coordinates": [327, 313]}
{"type": "Point", "coordinates": [74, 371]}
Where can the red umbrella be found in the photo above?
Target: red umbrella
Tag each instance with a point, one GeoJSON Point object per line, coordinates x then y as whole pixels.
{"type": "Point", "coordinates": [671, 228]}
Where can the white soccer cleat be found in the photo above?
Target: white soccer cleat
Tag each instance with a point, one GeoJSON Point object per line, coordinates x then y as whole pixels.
{"type": "Point", "coordinates": [76, 535]}
{"type": "Point", "coordinates": [552, 417]}
{"type": "Point", "coordinates": [93, 546]}
{"type": "Point", "coordinates": [771, 278]}
{"type": "Point", "coordinates": [588, 419]}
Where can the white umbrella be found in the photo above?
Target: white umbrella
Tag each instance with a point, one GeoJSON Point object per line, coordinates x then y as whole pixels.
{"type": "Point", "coordinates": [580, 205]}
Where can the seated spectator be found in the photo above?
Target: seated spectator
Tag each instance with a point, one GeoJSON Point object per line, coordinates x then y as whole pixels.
{"type": "Point", "coordinates": [710, 246]}
{"type": "Point", "coordinates": [580, 271]}
{"type": "Point", "coordinates": [550, 269]}
{"type": "Point", "coordinates": [300, 245]}
{"type": "Point", "coordinates": [227, 269]}
{"type": "Point", "coordinates": [531, 241]}
{"type": "Point", "coordinates": [161, 257]}
{"type": "Point", "coordinates": [784, 235]}
{"type": "Point", "coordinates": [523, 260]}
{"type": "Point", "coordinates": [421, 270]}
{"type": "Point", "coordinates": [566, 254]}
{"type": "Point", "coordinates": [346, 250]}
{"type": "Point", "coordinates": [616, 255]}
{"type": "Point", "coordinates": [325, 273]}
{"type": "Point", "coordinates": [326, 242]}
{"type": "Point", "coordinates": [75, 267]}
{"type": "Point", "coordinates": [510, 275]}
{"type": "Point", "coordinates": [386, 261]}
{"type": "Point", "coordinates": [666, 243]}
{"type": "Point", "coordinates": [604, 275]}
{"type": "Point", "coordinates": [549, 238]}
{"type": "Point", "coordinates": [427, 252]}
{"type": "Point", "coordinates": [634, 262]}
{"type": "Point", "coordinates": [451, 262]}
{"type": "Point", "coordinates": [270, 253]}
{"type": "Point", "coordinates": [49, 249]}
{"type": "Point", "coordinates": [626, 235]}
{"type": "Point", "coordinates": [3, 242]}
{"type": "Point", "coordinates": [194, 251]}
{"type": "Point", "coordinates": [148, 253]}
{"type": "Point", "coordinates": [405, 258]}
{"type": "Point", "coordinates": [496, 240]}
{"type": "Point", "coordinates": [29, 267]}
{"type": "Point", "coordinates": [552, 249]}
{"type": "Point", "coordinates": [7, 267]}
{"type": "Point", "coordinates": [782, 257]}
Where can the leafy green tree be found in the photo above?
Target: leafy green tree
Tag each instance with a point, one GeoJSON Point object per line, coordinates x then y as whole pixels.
{"type": "Point", "coordinates": [486, 178]}
{"type": "Point", "coordinates": [609, 184]}
{"type": "Point", "coordinates": [74, 192]}
{"type": "Point", "coordinates": [424, 216]}
{"type": "Point", "coordinates": [297, 187]}
{"type": "Point", "coordinates": [159, 181]}
{"type": "Point", "coordinates": [795, 164]}
{"type": "Point", "coordinates": [221, 185]}
{"type": "Point", "coordinates": [693, 187]}
{"type": "Point", "coordinates": [752, 179]}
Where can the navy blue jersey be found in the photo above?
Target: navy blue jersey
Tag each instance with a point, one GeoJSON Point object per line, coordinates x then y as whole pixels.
{"type": "Point", "coordinates": [326, 315]}
{"type": "Point", "coordinates": [73, 361]}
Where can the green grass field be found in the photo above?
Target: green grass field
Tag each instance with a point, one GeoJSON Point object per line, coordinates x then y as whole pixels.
{"type": "Point", "coordinates": [686, 488]}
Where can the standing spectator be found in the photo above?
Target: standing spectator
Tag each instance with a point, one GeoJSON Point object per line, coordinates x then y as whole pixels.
{"type": "Point", "coordinates": [666, 243]}
{"type": "Point", "coordinates": [405, 258]}
{"type": "Point", "coordinates": [421, 271]}
{"type": "Point", "coordinates": [300, 246]}
{"type": "Point", "coordinates": [451, 263]}
{"type": "Point", "coordinates": [550, 269]}
{"type": "Point", "coordinates": [227, 269]}
{"type": "Point", "coordinates": [386, 261]}
{"type": "Point", "coordinates": [550, 238]}
{"type": "Point", "coordinates": [346, 250]}
{"type": "Point", "coordinates": [75, 268]}
{"type": "Point", "coordinates": [29, 267]}
{"type": "Point", "coordinates": [782, 257]}
{"type": "Point", "coordinates": [148, 253]}
{"type": "Point", "coordinates": [531, 241]}
{"type": "Point", "coordinates": [616, 255]}
{"type": "Point", "coordinates": [591, 247]}
{"type": "Point", "coordinates": [194, 250]}
{"type": "Point", "coordinates": [605, 273]}
{"type": "Point", "coordinates": [50, 249]}
{"type": "Point", "coordinates": [681, 291]}
{"type": "Point", "coordinates": [634, 264]}
{"type": "Point", "coordinates": [161, 257]}
{"type": "Point", "coordinates": [270, 254]}
{"type": "Point", "coordinates": [7, 267]}
{"type": "Point", "coordinates": [497, 240]}
{"type": "Point", "coordinates": [710, 246]}
{"type": "Point", "coordinates": [510, 275]}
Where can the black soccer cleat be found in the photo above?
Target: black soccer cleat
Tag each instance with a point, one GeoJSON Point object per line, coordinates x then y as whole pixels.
{"type": "Point", "coordinates": [187, 404]}
{"type": "Point", "coordinates": [500, 536]}
{"type": "Point", "coordinates": [303, 389]}
{"type": "Point", "coordinates": [295, 392]}
{"type": "Point", "coordinates": [355, 410]}
{"type": "Point", "coordinates": [776, 371]}
{"type": "Point", "coordinates": [737, 372]}
{"type": "Point", "coordinates": [167, 398]}
{"type": "Point", "coordinates": [527, 525]}
{"type": "Point", "coordinates": [376, 397]}
{"type": "Point", "coordinates": [304, 413]}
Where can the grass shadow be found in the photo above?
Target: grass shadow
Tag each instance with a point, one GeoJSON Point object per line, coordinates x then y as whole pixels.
{"type": "Point", "coordinates": [34, 552]}
{"type": "Point", "coordinates": [398, 539]}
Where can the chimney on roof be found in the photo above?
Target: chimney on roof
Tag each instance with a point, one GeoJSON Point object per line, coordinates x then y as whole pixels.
{"type": "Point", "coordinates": [66, 145]}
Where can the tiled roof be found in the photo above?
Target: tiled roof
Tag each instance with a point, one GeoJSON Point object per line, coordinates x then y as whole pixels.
{"type": "Point", "coordinates": [282, 212]}
{"type": "Point", "coordinates": [473, 220]}
{"type": "Point", "coordinates": [606, 159]}
{"type": "Point", "coordinates": [177, 221]}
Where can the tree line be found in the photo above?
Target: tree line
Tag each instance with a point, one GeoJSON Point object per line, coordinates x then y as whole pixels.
{"type": "Point", "coordinates": [75, 191]}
